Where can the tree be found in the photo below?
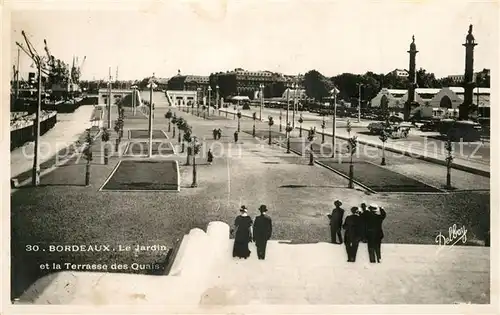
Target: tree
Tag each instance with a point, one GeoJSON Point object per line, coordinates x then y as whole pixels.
{"type": "Point", "coordinates": [449, 160]}
{"type": "Point", "coordinates": [270, 122]}
{"type": "Point", "coordinates": [187, 138]}
{"type": "Point", "coordinates": [105, 138]}
{"type": "Point", "coordinates": [323, 126]}
{"type": "Point", "coordinates": [301, 120]}
{"type": "Point", "coordinates": [87, 153]}
{"type": "Point", "coordinates": [239, 117]}
{"type": "Point", "coordinates": [174, 121]}
{"type": "Point", "coordinates": [181, 125]}
{"type": "Point", "coordinates": [445, 82]}
{"type": "Point", "coordinates": [352, 145]}
{"type": "Point", "coordinates": [168, 116]}
{"type": "Point", "coordinates": [349, 128]}
{"type": "Point", "coordinates": [288, 129]}
{"type": "Point", "coordinates": [425, 79]}
{"type": "Point", "coordinates": [317, 85]}
{"type": "Point", "coordinates": [196, 149]}
{"type": "Point", "coordinates": [310, 138]}
{"type": "Point", "coordinates": [119, 131]}
{"type": "Point", "coordinates": [254, 117]}
{"type": "Point", "coordinates": [383, 137]}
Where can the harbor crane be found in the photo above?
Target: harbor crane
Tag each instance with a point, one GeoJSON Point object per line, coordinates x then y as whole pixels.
{"type": "Point", "coordinates": [41, 65]}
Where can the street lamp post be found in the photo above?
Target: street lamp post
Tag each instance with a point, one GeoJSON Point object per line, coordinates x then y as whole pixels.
{"type": "Point", "coordinates": [151, 86]}
{"type": "Point", "coordinates": [209, 100]}
{"type": "Point", "coordinates": [198, 97]}
{"type": "Point", "coordinates": [287, 103]}
{"type": "Point", "coordinates": [195, 151]}
{"type": "Point", "coordinates": [261, 86]}
{"type": "Point", "coordinates": [359, 102]}
{"type": "Point", "coordinates": [217, 97]}
{"type": "Point", "coordinates": [294, 104]}
{"type": "Point", "coordinates": [109, 100]}
{"type": "Point", "coordinates": [334, 126]}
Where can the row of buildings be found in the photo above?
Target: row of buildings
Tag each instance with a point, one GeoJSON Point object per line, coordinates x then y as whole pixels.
{"type": "Point", "coordinates": [235, 82]}
{"type": "Point", "coordinates": [433, 103]}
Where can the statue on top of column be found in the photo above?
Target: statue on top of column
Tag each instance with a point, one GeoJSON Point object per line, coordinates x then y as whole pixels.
{"type": "Point", "coordinates": [470, 37]}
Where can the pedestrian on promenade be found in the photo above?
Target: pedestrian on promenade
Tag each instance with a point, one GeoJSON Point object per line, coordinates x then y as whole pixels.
{"type": "Point", "coordinates": [352, 234]}
{"type": "Point", "coordinates": [364, 214]}
{"type": "Point", "coordinates": [242, 234]}
{"type": "Point", "coordinates": [236, 136]}
{"type": "Point", "coordinates": [374, 232]}
{"type": "Point", "coordinates": [262, 231]}
{"type": "Point", "coordinates": [210, 157]}
{"type": "Point", "coordinates": [336, 222]}
{"type": "Point", "coordinates": [215, 133]}
{"type": "Point", "coordinates": [219, 133]}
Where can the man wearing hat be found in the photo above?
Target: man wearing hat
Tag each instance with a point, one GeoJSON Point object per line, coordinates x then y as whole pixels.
{"type": "Point", "coordinates": [336, 222]}
{"type": "Point", "coordinates": [364, 213]}
{"type": "Point", "coordinates": [374, 232]}
{"type": "Point", "coordinates": [262, 230]}
{"type": "Point", "coordinates": [352, 234]}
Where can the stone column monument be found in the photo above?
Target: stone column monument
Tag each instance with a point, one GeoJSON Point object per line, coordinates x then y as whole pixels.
{"type": "Point", "coordinates": [468, 84]}
{"type": "Point", "coordinates": [412, 80]}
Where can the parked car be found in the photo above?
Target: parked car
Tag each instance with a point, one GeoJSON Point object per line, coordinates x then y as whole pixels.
{"type": "Point", "coordinates": [429, 126]}
{"type": "Point", "coordinates": [376, 128]}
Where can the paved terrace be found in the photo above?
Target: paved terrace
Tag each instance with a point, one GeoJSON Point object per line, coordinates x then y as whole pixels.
{"type": "Point", "coordinates": [293, 275]}
{"type": "Point", "coordinates": [475, 157]}
{"type": "Point", "coordinates": [250, 172]}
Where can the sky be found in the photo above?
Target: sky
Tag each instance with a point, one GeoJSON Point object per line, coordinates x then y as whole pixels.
{"type": "Point", "coordinates": [199, 37]}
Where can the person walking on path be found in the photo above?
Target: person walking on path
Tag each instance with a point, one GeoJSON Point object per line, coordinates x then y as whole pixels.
{"type": "Point", "coordinates": [219, 133]}
{"type": "Point", "coordinates": [262, 231]}
{"type": "Point", "coordinates": [215, 133]}
{"type": "Point", "coordinates": [374, 232]}
{"type": "Point", "coordinates": [235, 136]}
{"type": "Point", "coordinates": [336, 222]}
{"type": "Point", "coordinates": [210, 157]}
{"type": "Point", "coordinates": [242, 234]}
{"type": "Point", "coordinates": [352, 234]}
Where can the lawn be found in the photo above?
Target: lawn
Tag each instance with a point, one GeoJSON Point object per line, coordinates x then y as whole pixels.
{"type": "Point", "coordinates": [141, 148]}
{"type": "Point", "coordinates": [144, 134]}
{"type": "Point", "coordinates": [378, 178]}
{"type": "Point", "coordinates": [144, 175]}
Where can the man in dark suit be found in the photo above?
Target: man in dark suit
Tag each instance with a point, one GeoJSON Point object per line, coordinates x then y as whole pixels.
{"type": "Point", "coordinates": [352, 234]}
{"type": "Point", "coordinates": [364, 214]}
{"type": "Point", "coordinates": [374, 232]}
{"type": "Point", "coordinates": [262, 231]}
{"type": "Point", "coordinates": [336, 222]}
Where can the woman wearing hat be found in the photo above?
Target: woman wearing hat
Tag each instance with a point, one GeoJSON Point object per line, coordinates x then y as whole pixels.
{"type": "Point", "coordinates": [242, 234]}
{"type": "Point", "coordinates": [374, 232]}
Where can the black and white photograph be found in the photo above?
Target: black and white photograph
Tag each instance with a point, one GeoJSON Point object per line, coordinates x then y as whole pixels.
{"type": "Point", "coordinates": [245, 156]}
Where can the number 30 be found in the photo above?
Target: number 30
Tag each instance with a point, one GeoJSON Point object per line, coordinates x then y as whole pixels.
{"type": "Point", "coordinates": [32, 248]}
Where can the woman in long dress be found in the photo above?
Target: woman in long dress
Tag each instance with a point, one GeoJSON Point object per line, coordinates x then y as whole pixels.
{"type": "Point", "coordinates": [242, 234]}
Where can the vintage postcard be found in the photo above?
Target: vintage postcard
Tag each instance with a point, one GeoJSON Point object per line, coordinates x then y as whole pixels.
{"type": "Point", "coordinates": [249, 156]}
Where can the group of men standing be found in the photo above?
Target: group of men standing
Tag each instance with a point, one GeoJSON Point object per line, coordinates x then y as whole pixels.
{"type": "Point", "coordinates": [363, 225]}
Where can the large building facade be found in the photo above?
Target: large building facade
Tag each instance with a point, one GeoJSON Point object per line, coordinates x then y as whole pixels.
{"type": "Point", "coordinates": [188, 82]}
{"type": "Point", "coordinates": [247, 83]}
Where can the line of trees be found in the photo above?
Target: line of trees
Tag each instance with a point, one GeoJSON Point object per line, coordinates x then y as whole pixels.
{"type": "Point", "coordinates": [318, 86]}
